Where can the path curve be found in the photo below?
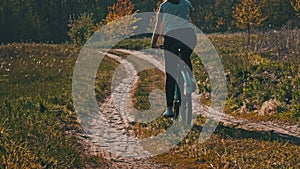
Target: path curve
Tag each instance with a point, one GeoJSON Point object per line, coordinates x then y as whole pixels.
{"type": "Point", "coordinates": [113, 110]}
{"type": "Point", "coordinates": [228, 120]}
{"type": "Point", "coordinates": [121, 121]}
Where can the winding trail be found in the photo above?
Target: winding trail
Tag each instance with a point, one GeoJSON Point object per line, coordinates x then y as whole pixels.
{"type": "Point", "coordinates": [120, 137]}
{"type": "Point", "coordinates": [228, 120]}
{"type": "Point", "coordinates": [112, 110]}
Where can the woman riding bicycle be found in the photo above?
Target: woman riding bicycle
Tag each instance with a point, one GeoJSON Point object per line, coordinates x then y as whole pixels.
{"type": "Point", "coordinates": [175, 22]}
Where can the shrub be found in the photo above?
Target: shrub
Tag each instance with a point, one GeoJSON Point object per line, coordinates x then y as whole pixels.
{"type": "Point", "coordinates": [81, 28]}
{"type": "Point", "coordinates": [120, 20]}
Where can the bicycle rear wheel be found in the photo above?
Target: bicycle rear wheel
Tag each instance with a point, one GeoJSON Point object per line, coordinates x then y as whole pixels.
{"type": "Point", "coordinates": [183, 110]}
{"type": "Point", "coordinates": [176, 102]}
{"type": "Point", "coordinates": [186, 105]}
{"type": "Point", "coordinates": [189, 109]}
{"type": "Point", "coordinates": [176, 109]}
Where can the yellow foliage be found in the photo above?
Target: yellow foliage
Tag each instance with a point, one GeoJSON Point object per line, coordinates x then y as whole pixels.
{"type": "Point", "coordinates": [81, 28]}
{"type": "Point", "coordinates": [220, 22]}
{"type": "Point", "coordinates": [154, 18]}
{"type": "Point", "coordinates": [119, 9]}
{"type": "Point", "coordinates": [248, 14]}
{"type": "Point", "coordinates": [120, 19]}
{"type": "Point", "coordinates": [296, 6]}
{"type": "Point", "coordinates": [158, 5]}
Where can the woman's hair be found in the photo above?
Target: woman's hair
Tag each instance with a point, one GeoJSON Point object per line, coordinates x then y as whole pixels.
{"type": "Point", "coordinates": [173, 1]}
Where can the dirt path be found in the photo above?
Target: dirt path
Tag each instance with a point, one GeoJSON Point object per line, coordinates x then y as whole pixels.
{"type": "Point", "coordinates": [119, 122]}
{"type": "Point", "coordinates": [114, 134]}
{"type": "Point", "coordinates": [228, 120]}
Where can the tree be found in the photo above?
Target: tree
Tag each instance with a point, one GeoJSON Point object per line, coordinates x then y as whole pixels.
{"type": "Point", "coordinates": [214, 15]}
{"type": "Point", "coordinates": [19, 21]}
{"type": "Point", "coordinates": [205, 17]}
{"type": "Point", "coordinates": [296, 6]}
{"type": "Point", "coordinates": [223, 12]}
{"type": "Point", "coordinates": [46, 21]}
{"type": "Point", "coordinates": [120, 19]}
{"type": "Point", "coordinates": [81, 28]}
{"type": "Point", "coordinates": [154, 18]}
{"type": "Point", "coordinates": [248, 15]}
{"type": "Point", "coordinates": [279, 12]}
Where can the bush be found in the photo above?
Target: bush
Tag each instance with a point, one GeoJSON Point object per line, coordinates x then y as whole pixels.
{"type": "Point", "coordinates": [81, 28]}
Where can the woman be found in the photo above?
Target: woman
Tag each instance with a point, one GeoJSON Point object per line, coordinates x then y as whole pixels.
{"type": "Point", "coordinates": [176, 22]}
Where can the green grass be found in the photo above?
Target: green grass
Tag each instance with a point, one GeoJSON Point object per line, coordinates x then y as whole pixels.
{"type": "Point", "coordinates": [234, 152]}
{"type": "Point", "coordinates": [256, 78]}
{"type": "Point", "coordinates": [36, 106]}
{"type": "Point", "coordinates": [249, 80]}
{"type": "Point", "coordinates": [37, 109]}
{"type": "Point", "coordinates": [227, 147]}
{"type": "Point", "coordinates": [252, 78]}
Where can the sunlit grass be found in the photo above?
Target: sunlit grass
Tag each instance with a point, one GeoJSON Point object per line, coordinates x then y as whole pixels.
{"type": "Point", "coordinates": [36, 106]}
{"type": "Point", "coordinates": [37, 109]}
{"type": "Point", "coordinates": [249, 80]}
{"type": "Point", "coordinates": [252, 78]}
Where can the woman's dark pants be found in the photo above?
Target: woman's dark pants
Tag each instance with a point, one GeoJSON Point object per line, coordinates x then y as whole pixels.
{"type": "Point", "coordinates": [185, 39]}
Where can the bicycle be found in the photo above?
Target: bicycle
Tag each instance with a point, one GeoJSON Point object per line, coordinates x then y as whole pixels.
{"type": "Point", "coordinates": [182, 98]}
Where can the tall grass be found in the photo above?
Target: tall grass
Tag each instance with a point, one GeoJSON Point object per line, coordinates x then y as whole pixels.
{"type": "Point", "coordinates": [36, 106]}
{"type": "Point", "coordinates": [37, 109]}
{"type": "Point", "coordinates": [253, 78]}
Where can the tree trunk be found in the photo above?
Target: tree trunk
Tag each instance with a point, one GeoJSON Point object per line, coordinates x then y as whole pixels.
{"type": "Point", "coordinates": [249, 35]}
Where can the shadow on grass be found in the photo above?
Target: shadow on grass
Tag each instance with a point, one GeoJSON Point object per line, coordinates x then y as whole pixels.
{"type": "Point", "coordinates": [238, 133]}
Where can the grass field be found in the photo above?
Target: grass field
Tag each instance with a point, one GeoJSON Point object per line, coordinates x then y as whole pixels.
{"type": "Point", "coordinates": [252, 78]}
{"type": "Point", "coordinates": [36, 105]}
{"type": "Point", "coordinates": [37, 109]}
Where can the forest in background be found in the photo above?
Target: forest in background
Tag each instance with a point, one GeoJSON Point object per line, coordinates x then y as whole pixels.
{"type": "Point", "coordinates": [47, 21]}
{"type": "Point", "coordinates": [39, 125]}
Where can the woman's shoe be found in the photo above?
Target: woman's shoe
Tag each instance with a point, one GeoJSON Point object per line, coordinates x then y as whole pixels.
{"type": "Point", "coordinates": [168, 113]}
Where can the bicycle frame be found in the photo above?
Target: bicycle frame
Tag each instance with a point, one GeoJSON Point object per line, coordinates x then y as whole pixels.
{"type": "Point", "coordinates": [182, 99]}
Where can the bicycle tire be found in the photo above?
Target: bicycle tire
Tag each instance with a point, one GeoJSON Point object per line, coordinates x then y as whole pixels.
{"type": "Point", "coordinates": [186, 102]}
{"type": "Point", "coordinates": [189, 109]}
{"type": "Point", "coordinates": [176, 102]}
{"type": "Point", "coordinates": [183, 111]}
{"type": "Point", "coordinates": [176, 110]}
